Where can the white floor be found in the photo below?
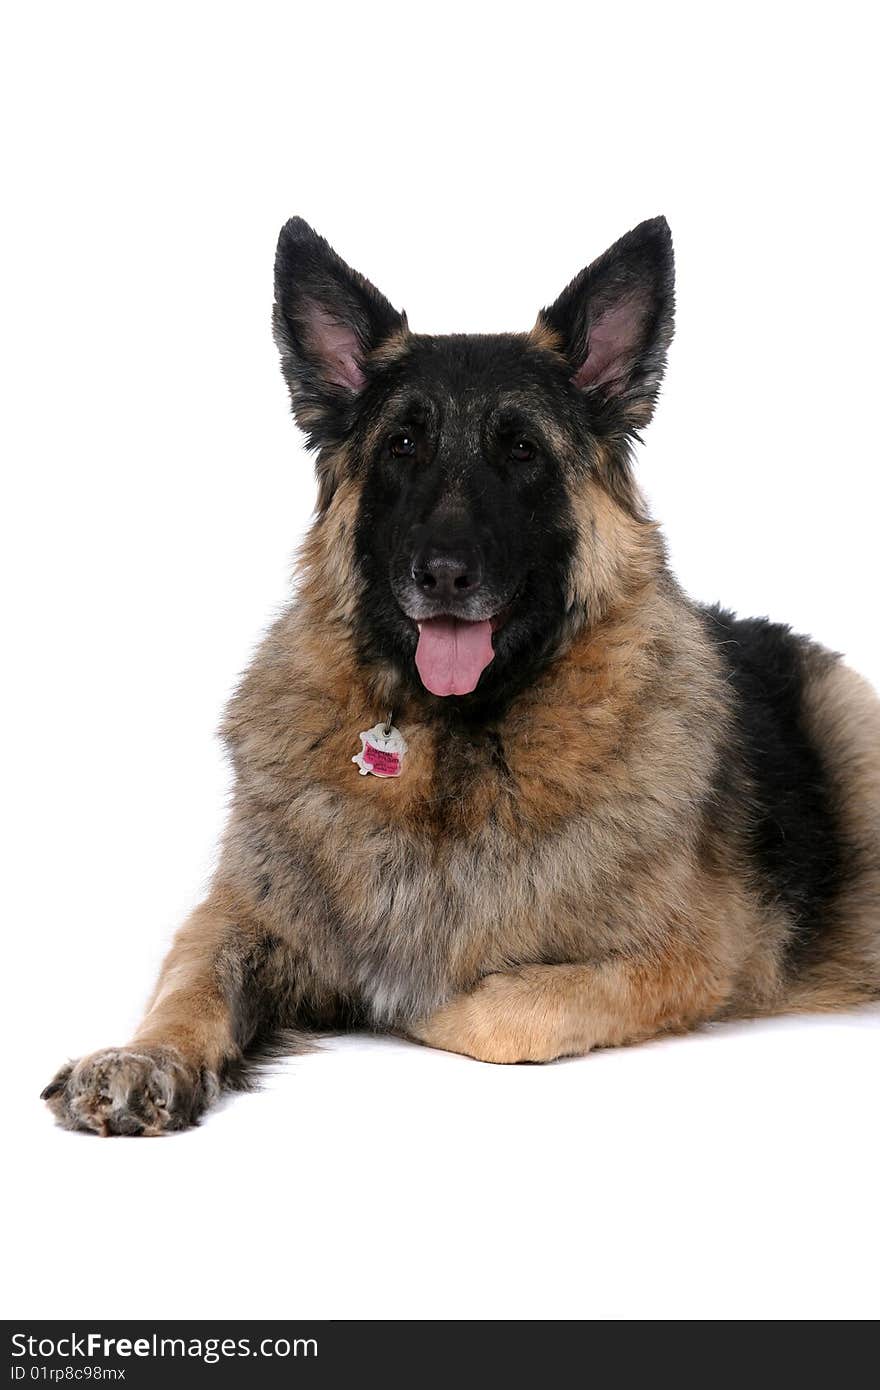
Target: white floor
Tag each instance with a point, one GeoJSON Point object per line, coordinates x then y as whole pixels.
{"type": "Point", "coordinates": [728, 1175]}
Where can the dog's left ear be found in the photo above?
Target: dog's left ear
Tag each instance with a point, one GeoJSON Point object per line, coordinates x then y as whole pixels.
{"type": "Point", "coordinates": [614, 324]}
{"type": "Point", "coordinates": [327, 319]}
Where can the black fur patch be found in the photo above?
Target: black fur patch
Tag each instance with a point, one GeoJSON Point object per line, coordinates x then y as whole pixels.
{"type": "Point", "coordinates": [795, 837]}
{"type": "Point", "coordinates": [519, 514]}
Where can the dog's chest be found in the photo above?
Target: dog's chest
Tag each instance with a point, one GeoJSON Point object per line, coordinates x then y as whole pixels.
{"type": "Point", "coordinates": [434, 889]}
{"type": "Point", "coordinates": [431, 920]}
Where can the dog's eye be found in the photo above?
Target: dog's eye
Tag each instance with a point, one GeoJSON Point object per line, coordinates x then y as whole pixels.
{"type": "Point", "coordinates": [401, 446]}
{"type": "Point", "coordinates": [522, 451]}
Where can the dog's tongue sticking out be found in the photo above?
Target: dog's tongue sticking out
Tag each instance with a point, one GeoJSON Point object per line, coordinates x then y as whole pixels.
{"type": "Point", "coordinates": [452, 655]}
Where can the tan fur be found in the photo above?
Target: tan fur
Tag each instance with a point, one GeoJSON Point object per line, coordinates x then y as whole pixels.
{"type": "Point", "coordinates": [616, 553]}
{"type": "Point", "coordinates": [392, 348]}
{"type": "Point", "coordinates": [540, 1012]}
{"type": "Point", "coordinates": [187, 1010]}
{"type": "Point", "coordinates": [605, 763]}
{"type": "Point", "coordinates": [547, 886]}
{"type": "Point", "coordinates": [600, 842]}
{"type": "Point", "coordinates": [543, 337]}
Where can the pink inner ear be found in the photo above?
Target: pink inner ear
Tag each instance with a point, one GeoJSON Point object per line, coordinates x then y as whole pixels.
{"type": "Point", "coordinates": [338, 347]}
{"type": "Point", "coordinates": [615, 338]}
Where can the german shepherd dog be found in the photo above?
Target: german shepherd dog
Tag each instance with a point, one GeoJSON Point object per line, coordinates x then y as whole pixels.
{"type": "Point", "coordinates": [501, 787]}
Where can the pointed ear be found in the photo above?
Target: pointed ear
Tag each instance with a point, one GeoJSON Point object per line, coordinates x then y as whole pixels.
{"type": "Point", "coordinates": [327, 319]}
{"type": "Point", "coordinates": [614, 324]}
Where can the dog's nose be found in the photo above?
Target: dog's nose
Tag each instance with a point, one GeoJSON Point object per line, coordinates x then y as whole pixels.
{"type": "Point", "coordinates": [443, 572]}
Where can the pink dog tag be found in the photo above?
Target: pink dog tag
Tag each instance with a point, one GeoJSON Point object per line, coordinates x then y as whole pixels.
{"type": "Point", "coordinates": [382, 750]}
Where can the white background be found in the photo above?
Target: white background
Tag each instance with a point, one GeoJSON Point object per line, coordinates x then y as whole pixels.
{"type": "Point", "coordinates": [469, 159]}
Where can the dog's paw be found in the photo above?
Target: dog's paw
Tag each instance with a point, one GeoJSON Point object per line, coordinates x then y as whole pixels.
{"type": "Point", "coordinates": [507, 1018]}
{"type": "Point", "coordinates": [130, 1090]}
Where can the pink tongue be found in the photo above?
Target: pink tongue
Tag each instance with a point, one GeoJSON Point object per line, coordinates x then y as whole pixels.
{"type": "Point", "coordinates": [451, 655]}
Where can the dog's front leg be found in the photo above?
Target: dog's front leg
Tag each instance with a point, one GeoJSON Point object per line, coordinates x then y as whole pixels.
{"type": "Point", "coordinates": [204, 1011]}
{"type": "Point", "coordinates": [540, 1012]}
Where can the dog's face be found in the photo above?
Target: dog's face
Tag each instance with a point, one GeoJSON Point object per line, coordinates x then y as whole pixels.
{"type": "Point", "coordinates": [491, 473]}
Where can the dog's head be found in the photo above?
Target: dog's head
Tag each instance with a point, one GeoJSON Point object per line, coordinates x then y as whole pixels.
{"type": "Point", "coordinates": [490, 507]}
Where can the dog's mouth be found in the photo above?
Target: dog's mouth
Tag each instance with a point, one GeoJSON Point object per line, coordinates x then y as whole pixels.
{"type": "Point", "coordinates": [452, 653]}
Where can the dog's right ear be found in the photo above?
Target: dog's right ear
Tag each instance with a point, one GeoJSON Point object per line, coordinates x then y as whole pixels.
{"type": "Point", "coordinates": [327, 319]}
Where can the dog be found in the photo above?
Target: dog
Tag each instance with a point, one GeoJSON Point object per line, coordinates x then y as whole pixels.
{"type": "Point", "coordinates": [501, 787]}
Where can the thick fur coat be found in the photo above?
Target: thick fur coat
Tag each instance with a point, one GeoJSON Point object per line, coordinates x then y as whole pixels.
{"type": "Point", "coordinates": [637, 815]}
